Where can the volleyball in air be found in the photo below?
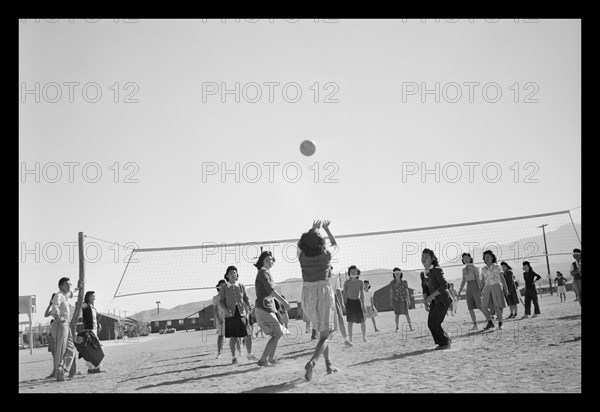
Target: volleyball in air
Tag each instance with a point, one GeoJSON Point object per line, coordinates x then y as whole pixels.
{"type": "Point", "coordinates": [308, 148]}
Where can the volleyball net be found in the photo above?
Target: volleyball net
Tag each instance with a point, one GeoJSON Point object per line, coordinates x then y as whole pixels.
{"type": "Point", "coordinates": [514, 240]}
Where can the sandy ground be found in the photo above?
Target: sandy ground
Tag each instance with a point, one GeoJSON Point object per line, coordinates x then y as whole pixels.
{"type": "Point", "coordinates": [535, 355]}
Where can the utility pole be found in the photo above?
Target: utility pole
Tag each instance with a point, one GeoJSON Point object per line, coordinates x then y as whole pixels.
{"type": "Point", "coordinates": [158, 307]}
{"type": "Point", "coordinates": [546, 251]}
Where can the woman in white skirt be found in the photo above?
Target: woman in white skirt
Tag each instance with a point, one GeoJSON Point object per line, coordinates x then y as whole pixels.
{"type": "Point", "coordinates": [494, 286]}
{"type": "Point", "coordinates": [318, 299]}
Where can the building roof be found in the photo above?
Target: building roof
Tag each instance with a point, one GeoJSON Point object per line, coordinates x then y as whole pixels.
{"type": "Point", "coordinates": [172, 316]}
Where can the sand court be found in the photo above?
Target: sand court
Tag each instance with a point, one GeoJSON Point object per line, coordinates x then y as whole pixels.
{"type": "Point", "coordinates": [534, 355]}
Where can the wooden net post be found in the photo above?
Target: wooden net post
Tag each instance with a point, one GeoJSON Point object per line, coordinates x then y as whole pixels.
{"type": "Point", "coordinates": [81, 282]}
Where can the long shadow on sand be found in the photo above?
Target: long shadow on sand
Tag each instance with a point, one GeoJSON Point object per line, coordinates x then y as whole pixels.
{"type": "Point", "coordinates": [187, 380]}
{"type": "Point", "coordinates": [571, 317]}
{"type": "Point", "coordinates": [176, 371]}
{"type": "Point", "coordinates": [298, 354]}
{"type": "Point", "coordinates": [393, 357]}
{"type": "Point", "coordinates": [172, 364]}
{"type": "Point", "coordinates": [282, 387]}
{"type": "Point", "coordinates": [43, 381]}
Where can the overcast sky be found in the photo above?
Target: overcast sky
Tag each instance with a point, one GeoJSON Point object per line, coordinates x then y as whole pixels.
{"type": "Point", "coordinates": [158, 133]}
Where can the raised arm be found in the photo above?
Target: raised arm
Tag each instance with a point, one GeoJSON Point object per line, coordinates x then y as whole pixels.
{"type": "Point", "coordinates": [326, 224]}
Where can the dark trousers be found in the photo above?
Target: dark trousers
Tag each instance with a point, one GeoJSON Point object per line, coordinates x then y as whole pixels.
{"type": "Point", "coordinates": [437, 313]}
{"type": "Point", "coordinates": [531, 296]}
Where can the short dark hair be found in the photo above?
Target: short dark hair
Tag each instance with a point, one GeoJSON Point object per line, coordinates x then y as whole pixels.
{"type": "Point", "coordinates": [528, 264]}
{"type": "Point", "coordinates": [261, 258]}
{"type": "Point", "coordinates": [506, 264]}
{"type": "Point", "coordinates": [463, 257]}
{"type": "Point", "coordinates": [354, 267]}
{"type": "Point", "coordinates": [312, 243]}
{"type": "Point", "coordinates": [88, 296]}
{"type": "Point", "coordinates": [221, 281]}
{"type": "Point", "coordinates": [228, 269]}
{"type": "Point", "coordinates": [396, 270]}
{"type": "Point", "coordinates": [63, 280]}
{"type": "Point", "coordinates": [577, 251]}
{"type": "Point", "coordinates": [489, 252]}
{"type": "Point", "coordinates": [434, 259]}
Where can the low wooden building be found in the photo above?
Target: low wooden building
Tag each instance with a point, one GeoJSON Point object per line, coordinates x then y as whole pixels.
{"type": "Point", "coordinates": [191, 320]}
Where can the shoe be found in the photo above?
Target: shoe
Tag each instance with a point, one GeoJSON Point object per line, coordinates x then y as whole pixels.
{"type": "Point", "coordinates": [444, 347]}
{"type": "Point", "coordinates": [475, 327]}
{"type": "Point", "coordinates": [218, 355]}
{"type": "Point", "coordinates": [365, 340]}
{"type": "Point", "coordinates": [330, 368]}
{"type": "Point", "coordinates": [234, 361]}
{"type": "Point", "coordinates": [265, 363]}
{"type": "Point", "coordinates": [275, 361]}
{"type": "Point", "coordinates": [489, 325]}
{"type": "Point", "coordinates": [377, 330]}
{"type": "Point", "coordinates": [397, 330]}
{"type": "Point", "coordinates": [62, 378]}
{"type": "Point", "coordinates": [309, 371]}
{"type": "Point", "coordinates": [96, 370]}
{"type": "Point", "coordinates": [412, 328]}
{"type": "Point", "coordinates": [348, 344]}
{"type": "Point", "coordinates": [52, 375]}
{"type": "Point", "coordinates": [251, 357]}
{"type": "Point", "coordinates": [60, 374]}
{"type": "Point", "coordinates": [534, 316]}
{"type": "Point", "coordinates": [499, 325]}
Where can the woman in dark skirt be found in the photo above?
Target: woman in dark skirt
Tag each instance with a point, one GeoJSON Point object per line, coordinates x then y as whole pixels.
{"type": "Point", "coordinates": [511, 298]}
{"type": "Point", "coordinates": [355, 302]}
{"type": "Point", "coordinates": [399, 297]}
{"type": "Point", "coordinates": [233, 299]}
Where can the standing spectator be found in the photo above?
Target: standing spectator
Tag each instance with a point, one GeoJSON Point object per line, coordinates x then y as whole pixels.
{"type": "Point", "coordinates": [576, 273]}
{"type": "Point", "coordinates": [470, 276]}
{"type": "Point", "coordinates": [399, 297]}
{"type": "Point", "coordinates": [234, 301]}
{"type": "Point", "coordinates": [512, 298]}
{"type": "Point", "coordinates": [530, 291]}
{"type": "Point", "coordinates": [561, 290]}
{"type": "Point", "coordinates": [336, 286]}
{"type": "Point", "coordinates": [64, 353]}
{"type": "Point", "coordinates": [437, 298]}
{"type": "Point", "coordinates": [91, 348]}
{"type": "Point", "coordinates": [318, 298]}
{"type": "Point", "coordinates": [370, 309]}
{"type": "Point", "coordinates": [219, 318]}
{"type": "Point", "coordinates": [264, 308]}
{"type": "Point", "coordinates": [355, 302]}
{"type": "Point", "coordinates": [494, 289]}
{"type": "Point", "coordinates": [51, 334]}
